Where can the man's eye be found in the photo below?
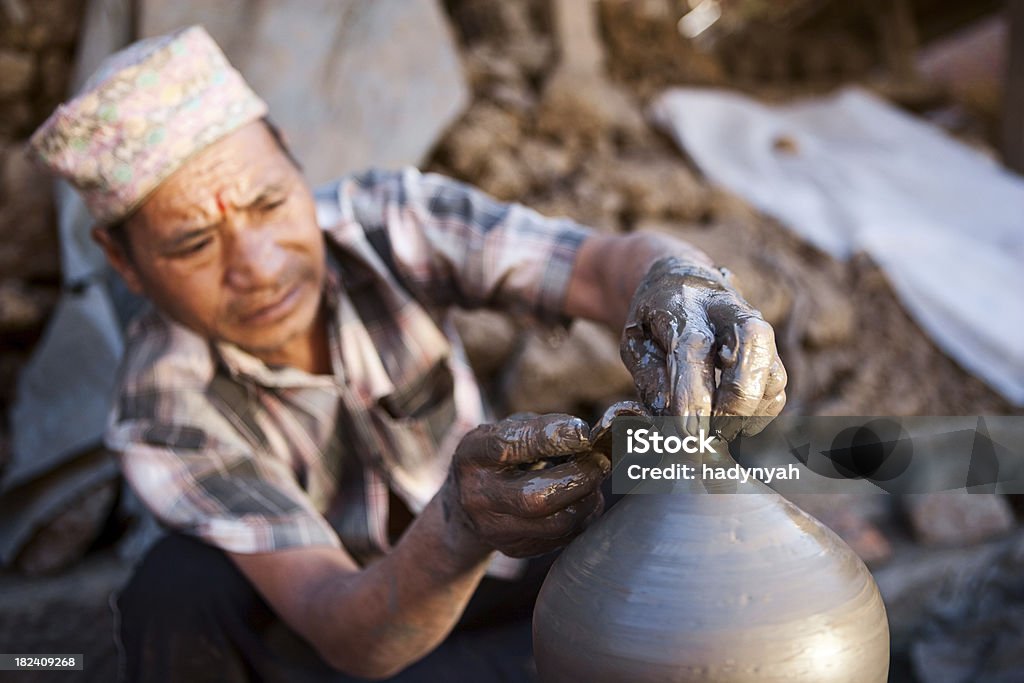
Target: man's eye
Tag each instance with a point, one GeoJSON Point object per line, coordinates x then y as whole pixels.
{"type": "Point", "coordinates": [271, 205]}
{"type": "Point", "coordinates": [193, 248]}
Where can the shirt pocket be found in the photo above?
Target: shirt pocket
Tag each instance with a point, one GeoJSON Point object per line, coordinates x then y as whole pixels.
{"type": "Point", "coordinates": [415, 418]}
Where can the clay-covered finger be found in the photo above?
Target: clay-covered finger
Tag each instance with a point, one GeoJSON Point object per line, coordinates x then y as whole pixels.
{"type": "Point", "coordinates": [746, 355]}
{"type": "Point", "coordinates": [564, 523]}
{"type": "Point", "coordinates": [777, 379]}
{"type": "Point", "coordinates": [771, 407]}
{"type": "Point", "coordinates": [773, 402]}
{"type": "Point", "coordinates": [524, 441]}
{"type": "Point", "coordinates": [646, 361]}
{"type": "Point", "coordinates": [766, 412]}
{"type": "Point", "coordinates": [484, 491]}
{"type": "Point", "coordinates": [532, 547]}
{"type": "Point", "coordinates": [546, 491]}
{"type": "Point", "coordinates": [692, 374]}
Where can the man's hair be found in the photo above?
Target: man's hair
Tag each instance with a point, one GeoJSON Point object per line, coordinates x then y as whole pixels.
{"type": "Point", "coordinates": [118, 231]}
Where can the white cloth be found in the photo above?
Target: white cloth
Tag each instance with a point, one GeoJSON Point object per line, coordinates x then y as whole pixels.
{"type": "Point", "coordinates": [852, 173]}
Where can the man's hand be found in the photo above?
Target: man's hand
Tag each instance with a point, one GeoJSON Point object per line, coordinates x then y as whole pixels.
{"type": "Point", "coordinates": [685, 322]}
{"type": "Point", "coordinates": [500, 490]}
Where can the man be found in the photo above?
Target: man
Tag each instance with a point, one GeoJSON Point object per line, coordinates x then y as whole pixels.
{"type": "Point", "coordinates": [296, 410]}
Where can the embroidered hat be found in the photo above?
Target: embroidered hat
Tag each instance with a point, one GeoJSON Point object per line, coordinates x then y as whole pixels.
{"type": "Point", "coordinates": [145, 111]}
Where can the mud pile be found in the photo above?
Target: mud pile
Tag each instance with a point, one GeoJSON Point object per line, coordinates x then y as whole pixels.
{"type": "Point", "coordinates": [581, 148]}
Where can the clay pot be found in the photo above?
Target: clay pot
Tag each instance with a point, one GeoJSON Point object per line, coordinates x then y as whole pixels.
{"type": "Point", "coordinates": [710, 587]}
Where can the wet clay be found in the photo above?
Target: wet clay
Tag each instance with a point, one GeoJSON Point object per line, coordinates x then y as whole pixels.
{"type": "Point", "coordinates": [528, 484]}
{"type": "Point", "coordinates": [704, 587]}
{"type": "Point", "coordinates": [688, 320]}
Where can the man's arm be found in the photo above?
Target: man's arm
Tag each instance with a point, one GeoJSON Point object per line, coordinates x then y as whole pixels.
{"type": "Point", "coordinates": [375, 621]}
{"type": "Point", "coordinates": [610, 268]}
{"type": "Point", "coordinates": [681, 319]}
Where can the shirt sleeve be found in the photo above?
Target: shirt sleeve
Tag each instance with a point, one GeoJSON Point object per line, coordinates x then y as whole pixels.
{"type": "Point", "coordinates": [197, 473]}
{"type": "Point", "coordinates": [452, 244]}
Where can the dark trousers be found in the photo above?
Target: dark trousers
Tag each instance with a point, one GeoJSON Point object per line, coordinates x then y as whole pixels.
{"type": "Point", "coordinates": [188, 614]}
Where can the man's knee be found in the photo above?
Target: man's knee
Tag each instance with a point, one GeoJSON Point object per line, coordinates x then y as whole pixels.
{"type": "Point", "coordinates": [183, 614]}
{"type": "Point", "coordinates": [184, 580]}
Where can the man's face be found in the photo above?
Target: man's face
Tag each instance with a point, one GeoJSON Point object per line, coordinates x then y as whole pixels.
{"type": "Point", "coordinates": [229, 246]}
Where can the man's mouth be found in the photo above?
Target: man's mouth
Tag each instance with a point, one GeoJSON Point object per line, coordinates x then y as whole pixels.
{"type": "Point", "coordinates": [274, 310]}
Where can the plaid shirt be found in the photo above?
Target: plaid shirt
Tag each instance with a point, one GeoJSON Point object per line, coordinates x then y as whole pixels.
{"type": "Point", "coordinates": [256, 459]}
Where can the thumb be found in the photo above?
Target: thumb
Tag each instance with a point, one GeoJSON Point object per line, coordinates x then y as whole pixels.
{"type": "Point", "coordinates": [521, 441]}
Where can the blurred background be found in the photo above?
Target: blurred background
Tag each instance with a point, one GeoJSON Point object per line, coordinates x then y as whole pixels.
{"type": "Point", "coordinates": [854, 164]}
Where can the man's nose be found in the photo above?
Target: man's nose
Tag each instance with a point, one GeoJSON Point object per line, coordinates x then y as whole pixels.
{"type": "Point", "coordinates": [256, 261]}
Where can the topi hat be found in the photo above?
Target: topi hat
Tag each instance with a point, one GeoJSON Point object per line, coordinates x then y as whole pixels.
{"type": "Point", "coordinates": [146, 110]}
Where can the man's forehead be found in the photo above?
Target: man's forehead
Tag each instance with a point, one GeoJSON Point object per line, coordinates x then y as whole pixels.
{"type": "Point", "coordinates": [232, 172]}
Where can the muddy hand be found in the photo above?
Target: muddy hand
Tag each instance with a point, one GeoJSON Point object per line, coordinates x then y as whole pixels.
{"type": "Point", "coordinates": [498, 488]}
{"type": "Point", "coordinates": [685, 322]}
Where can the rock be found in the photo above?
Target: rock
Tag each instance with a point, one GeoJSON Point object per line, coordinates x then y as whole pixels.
{"type": "Point", "coordinates": [546, 163]}
{"type": "Point", "coordinates": [16, 119]}
{"type": "Point", "coordinates": [581, 373]}
{"type": "Point", "coordinates": [596, 200]}
{"type": "Point", "coordinates": [919, 578]}
{"type": "Point", "coordinates": [519, 100]}
{"type": "Point", "coordinates": [17, 70]}
{"type": "Point", "coordinates": [55, 68]}
{"type": "Point", "coordinates": [563, 205]}
{"type": "Point", "coordinates": [65, 538]}
{"type": "Point", "coordinates": [515, 29]}
{"type": "Point", "coordinates": [488, 68]}
{"type": "Point", "coordinates": [937, 598]}
{"type": "Point", "coordinates": [948, 518]}
{"type": "Point", "coordinates": [532, 53]}
{"type": "Point", "coordinates": [489, 338]}
{"type": "Point", "coordinates": [22, 307]}
{"type": "Point", "coordinates": [15, 12]}
{"type": "Point", "coordinates": [726, 207]}
{"type": "Point", "coordinates": [503, 178]}
{"type": "Point", "coordinates": [660, 188]}
{"type": "Point", "coordinates": [22, 180]}
{"type": "Point", "coordinates": [484, 133]}
{"type": "Point", "coordinates": [988, 651]}
{"type": "Point", "coordinates": [646, 50]}
{"type": "Point", "coordinates": [959, 616]}
{"type": "Point", "coordinates": [54, 22]}
{"type": "Point", "coordinates": [831, 319]}
{"type": "Point", "coordinates": [495, 77]}
{"type": "Point", "coordinates": [28, 234]}
{"type": "Point", "coordinates": [527, 47]}
{"type": "Point", "coordinates": [579, 107]}
{"type": "Point", "coordinates": [579, 104]}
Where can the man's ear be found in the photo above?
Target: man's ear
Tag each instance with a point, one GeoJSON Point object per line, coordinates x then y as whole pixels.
{"type": "Point", "coordinates": [117, 256]}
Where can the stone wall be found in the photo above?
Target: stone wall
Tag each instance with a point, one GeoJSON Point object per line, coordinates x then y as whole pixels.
{"type": "Point", "coordinates": [37, 42]}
